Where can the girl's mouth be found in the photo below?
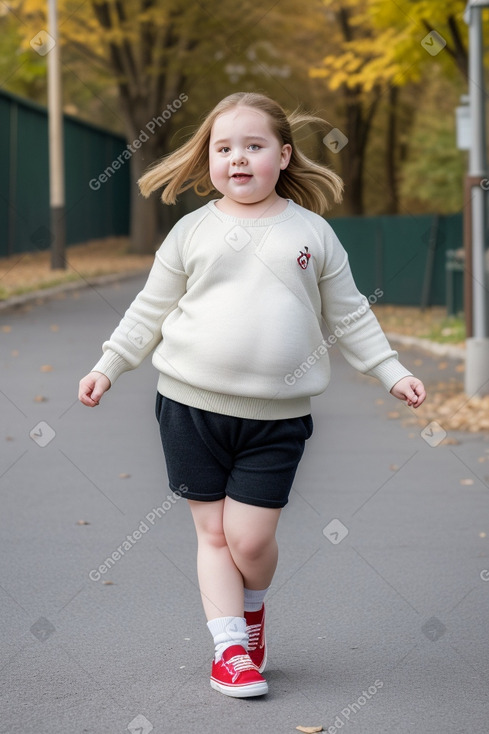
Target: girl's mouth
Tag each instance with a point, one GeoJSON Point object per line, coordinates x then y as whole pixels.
{"type": "Point", "coordinates": [241, 176]}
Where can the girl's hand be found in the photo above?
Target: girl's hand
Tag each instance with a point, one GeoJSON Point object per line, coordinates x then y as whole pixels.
{"type": "Point", "coordinates": [410, 389]}
{"type": "Point", "coordinates": [92, 387]}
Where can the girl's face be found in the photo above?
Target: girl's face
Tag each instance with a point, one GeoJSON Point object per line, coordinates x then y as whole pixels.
{"type": "Point", "coordinates": [245, 158]}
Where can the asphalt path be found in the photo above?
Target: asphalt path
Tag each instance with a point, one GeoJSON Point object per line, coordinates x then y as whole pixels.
{"type": "Point", "coordinates": [377, 617]}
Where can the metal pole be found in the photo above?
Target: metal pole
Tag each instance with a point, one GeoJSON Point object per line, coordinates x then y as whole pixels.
{"type": "Point", "coordinates": [56, 157]}
{"type": "Point", "coordinates": [477, 355]}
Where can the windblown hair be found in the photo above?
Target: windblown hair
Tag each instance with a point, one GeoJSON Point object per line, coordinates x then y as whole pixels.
{"type": "Point", "coordinates": [306, 182]}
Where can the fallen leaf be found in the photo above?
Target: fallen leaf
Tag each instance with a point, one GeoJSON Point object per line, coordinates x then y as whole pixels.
{"type": "Point", "coordinates": [379, 401]}
{"type": "Point", "coordinates": [460, 367]}
{"type": "Point", "coordinates": [54, 327]}
{"type": "Point", "coordinates": [15, 352]}
{"type": "Point", "coordinates": [482, 535]}
{"type": "Point", "coordinates": [466, 482]}
{"type": "Point", "coordinates": [124, 476]}
{"type": "Point", "coordinates": [418, 362]}
{"type": "Point", "coordinates": [82, 522]}
{"type": "Point", "coordinates": [393, 467]}
{"type": "Point", "coordinates": [46, 368]}
{"type": "Point", "coordinates": [108, 583]}
{"type": "Point", "coordinates": [393, 414]}
{"type": "Point", "coordinates": [40, 399]}
{"type": "Point", "coordinates": [309, 729]}
{"type": "Point", "coordinates": [6, 329]}
{"type": "Point", "coordinates": [9, 438]}
{"type": "Point", "coordinates": [442, 365]}
{"type": "Point", "coordinates": [449, 441]}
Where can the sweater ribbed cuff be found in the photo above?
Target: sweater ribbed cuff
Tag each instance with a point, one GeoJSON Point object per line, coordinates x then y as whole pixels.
{"type": "Point", "coordinates": [112, 365]}
{"type": "Point", "coordinates": [389, 372]}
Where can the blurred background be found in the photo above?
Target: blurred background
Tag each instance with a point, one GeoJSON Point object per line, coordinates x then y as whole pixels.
{"type": "Point", "coordinates": [136, 78]}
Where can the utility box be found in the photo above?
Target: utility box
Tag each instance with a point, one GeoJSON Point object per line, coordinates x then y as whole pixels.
{"type": "Point", "coordinates": [454, 268]}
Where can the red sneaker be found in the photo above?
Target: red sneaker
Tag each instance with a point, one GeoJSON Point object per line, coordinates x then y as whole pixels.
{"type": "Point", "coordinates": [257, 644]}
{"type": "Point", "coordinates": [235, 674]}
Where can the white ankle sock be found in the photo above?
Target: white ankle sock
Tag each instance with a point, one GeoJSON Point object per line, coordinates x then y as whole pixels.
{"type": "Point", "coordinates": [228, 631]}
{"type": "Point", "coordinates": [253, 599]}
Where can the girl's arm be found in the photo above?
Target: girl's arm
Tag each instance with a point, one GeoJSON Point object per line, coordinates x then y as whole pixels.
{"type": "Point", "coordinates": [348, 316]}
{"type": "Point", "coordinates": [139, 331]}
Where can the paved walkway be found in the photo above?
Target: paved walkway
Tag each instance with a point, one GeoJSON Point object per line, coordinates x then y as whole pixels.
{"type": "Point", "coordinates": [378, 611]}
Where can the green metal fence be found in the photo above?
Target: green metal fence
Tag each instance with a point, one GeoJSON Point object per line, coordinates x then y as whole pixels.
{"type": "Point", "coordinates": [404, 256]}
{"type": "Point", "coordinates": [24, 179]}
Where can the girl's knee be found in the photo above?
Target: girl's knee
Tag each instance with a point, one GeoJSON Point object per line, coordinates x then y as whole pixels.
{"type": "Point", "coordinates": [249, 546]}
{"type": "Point", "coordinates": [208, 523]}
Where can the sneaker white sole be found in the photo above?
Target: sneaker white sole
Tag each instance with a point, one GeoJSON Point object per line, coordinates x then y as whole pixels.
{"type": "Point", "coordinates": [254, 689]}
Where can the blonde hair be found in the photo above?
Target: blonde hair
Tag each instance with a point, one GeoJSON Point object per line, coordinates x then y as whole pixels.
{"type": "Point", "coordinates": [306, 182]}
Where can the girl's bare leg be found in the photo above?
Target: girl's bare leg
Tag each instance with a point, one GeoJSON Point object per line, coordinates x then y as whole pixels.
{"type": "Point", "coordinates": [250, 535]}
{"type": "Point", "coordinates": [236, 549]}
{"type": "Point", "coordinates": [220, 581]}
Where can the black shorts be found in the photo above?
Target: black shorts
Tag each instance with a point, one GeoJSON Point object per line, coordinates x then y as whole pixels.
{"type": "Point", "coordinates": [210, 456]}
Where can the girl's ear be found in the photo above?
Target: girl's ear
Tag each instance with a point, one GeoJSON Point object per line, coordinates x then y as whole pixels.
{"type": "Point", "coordinates": [285, 156]}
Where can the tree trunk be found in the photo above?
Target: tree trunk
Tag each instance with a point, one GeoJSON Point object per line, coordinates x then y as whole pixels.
{"type": "Point", "coordinates": [354, 159]}
{"type": "Point", "coordinates": [359, 116]}
{"type": "Point", "coordinates": [353, 177]}
{"type": "Point", "coordinates": [144, 214]}
{"type": "Point", "coordinates": [392, 204]}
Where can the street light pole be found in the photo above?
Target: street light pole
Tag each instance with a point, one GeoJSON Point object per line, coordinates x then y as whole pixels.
{"type": "Point", "coordinates": [477, 349]}
{"type": "Point", "coordinates": [56, 157]}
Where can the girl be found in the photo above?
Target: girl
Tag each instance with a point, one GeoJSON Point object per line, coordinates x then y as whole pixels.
{"type": "Point", "coordinates": [234, 305]}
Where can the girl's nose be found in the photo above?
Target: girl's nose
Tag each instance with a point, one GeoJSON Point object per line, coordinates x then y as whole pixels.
{"type": "Point", "coordinates": [238, 157]}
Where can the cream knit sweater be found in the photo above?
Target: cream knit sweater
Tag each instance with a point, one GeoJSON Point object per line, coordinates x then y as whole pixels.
{"type": "Point", "coordinates": [234, 310]}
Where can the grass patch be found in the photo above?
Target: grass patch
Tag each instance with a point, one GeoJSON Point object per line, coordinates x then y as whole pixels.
{"type": "Point", "coordinates": [450, 330]}
{"type": "Point", "coordinates": [431, 323]}
{"type": "Point", "coordinates": [29, 272]}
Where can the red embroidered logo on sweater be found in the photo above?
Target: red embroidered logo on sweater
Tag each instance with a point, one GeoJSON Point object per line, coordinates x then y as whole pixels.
{"type": "Point", "coordinates": [303, 258]}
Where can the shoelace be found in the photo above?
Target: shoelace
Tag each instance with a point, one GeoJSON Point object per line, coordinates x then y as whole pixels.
{"type": "Point", "coordinates": [241, 663]}
{"type": "Point", "coordinates": [253, 631]}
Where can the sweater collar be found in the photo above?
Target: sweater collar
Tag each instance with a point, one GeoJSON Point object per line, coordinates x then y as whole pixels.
{"type": "Point", "coordinates": [250, 221]}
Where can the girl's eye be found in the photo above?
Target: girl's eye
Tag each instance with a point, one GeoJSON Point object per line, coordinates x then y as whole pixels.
{"type": "Point", "coordinates": [254, 146]}
{"type": "Point", "coordinates": [224, 149]}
